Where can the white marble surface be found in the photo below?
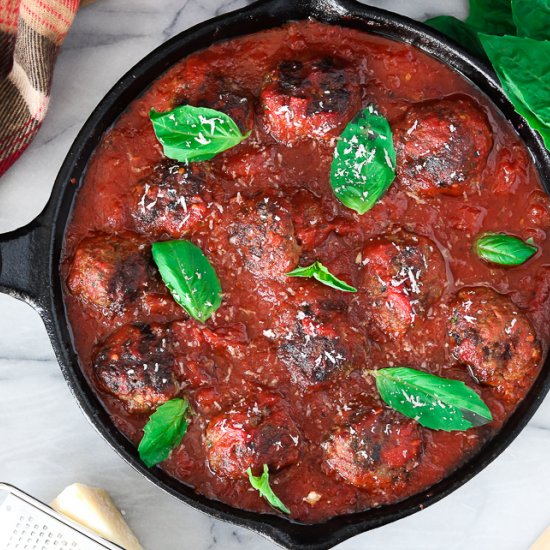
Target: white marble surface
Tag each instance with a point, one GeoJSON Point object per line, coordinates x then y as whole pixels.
{"type": "Point", "coordinates": [47, 443]}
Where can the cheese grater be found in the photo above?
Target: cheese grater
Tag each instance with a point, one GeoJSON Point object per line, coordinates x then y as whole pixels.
{"type": "Point", "coordinates": [28, 524]}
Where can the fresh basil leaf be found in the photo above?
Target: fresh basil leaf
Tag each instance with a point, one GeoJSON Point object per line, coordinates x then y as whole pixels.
{"type": "Point", "coordinates": [522, 66]}
{"type": "Point", "coordinates": [261, 484]}
{"type": "Point", "coordinates": [164, 431]}
{"type": "Point", "coordinates": [532, 18]}
{"type": "Point", "coordinates": [492, 16]}
{"type": "Point", "coordinates": [364, 161]}
{"type": "Point", "coordinates": [189, 276]}
{"type": "Point", "coordinates": [192, 134]}
{"type": "Point", "coordinates": [436, 403]}
{"type": "Point", "coordinates": [502, 249]}
{"type": "Point", "coordinates": [319, 272]}
{"type": "Point", "coordinates": [459, 31]}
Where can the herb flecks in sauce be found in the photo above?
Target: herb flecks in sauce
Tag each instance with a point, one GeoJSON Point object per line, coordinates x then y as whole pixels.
{"type": "Point", "coordinates": [321, 273]}
{"type": "Point", "coordinates": [192, 134]}
{"type": "Point", "coordinates": [364, 161]}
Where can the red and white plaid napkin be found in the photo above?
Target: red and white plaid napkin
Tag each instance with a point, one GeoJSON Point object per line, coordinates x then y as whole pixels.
{"type": "Point", "coordinates": [31, 33]}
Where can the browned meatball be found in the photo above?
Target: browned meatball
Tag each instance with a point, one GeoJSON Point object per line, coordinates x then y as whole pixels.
{"type": "Point", "coordinates": [375, 453]}
{"type": "Point", "coordinates": [137, 365]}
{"type": "Point", "coordinates": [172, 200]}
{"type": "Point", "coordinates": [494, 340]}
{"type": "Point", "coordinates": [315, 341]}
{"type": "Point", "coordinates": [442, 146]}
{"type": "Point", "coordinates": [401, 277]}
{"type": "Point", "coordinates": [109, 271]}
{"type": "Point", "coordinates": [262, 233]}
{"type": "Point", "coordinates": [252, 433]}
{"type": "Point", "coordinates": [309, 99]}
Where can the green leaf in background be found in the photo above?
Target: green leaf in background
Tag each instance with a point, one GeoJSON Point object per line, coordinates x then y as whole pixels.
{"type": "Point", "coordinates": [189, 276]}
{"type": "Point", "coordinates": [319, 272]}
{"type": "Point", "coordinates": [164, 431]}
{"type": "Point", "coordinates": [462, 33]}
{"type": "Point", "coordinates": [364, 161]}
{"type": "Point", "coordinates": [436, 403]}
{"type": "Point", "coordinates": [532, 18]}
{"type": "Point", "coordinates": [502, 249]}
{"type": "Point", "coordinates": [523, 66]}
{"type": "Point", "coordinates": [491, 16]}
{"type": "Point", "coordinates": [192, 134]}
{"type": "Point", "coordinates": [261, 484]}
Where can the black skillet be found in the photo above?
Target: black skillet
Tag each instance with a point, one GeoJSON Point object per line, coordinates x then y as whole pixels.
{"type": "Point", "coordinates": [29, 257]}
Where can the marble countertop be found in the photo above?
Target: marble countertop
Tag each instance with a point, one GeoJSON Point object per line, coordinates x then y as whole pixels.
{"type": "Point", "coordinates": [47, 443]}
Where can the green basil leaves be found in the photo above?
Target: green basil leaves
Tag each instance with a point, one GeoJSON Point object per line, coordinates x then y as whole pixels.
{"type": "Point", "coordinates": [192, 134]}
{"type": "Point", "coordinates": [261, 484]}
{"type": "Point", "coordinates": [436, 403]}
{"type": "Point", "coordinates": [164, 431]}
{"type": "Point", "coordinates": [502, 249]}
{"type": "Point", "coordinates": [462, 33]}
{"type": "Point", "coordinates": [491, 16]}
{"type": "Point", "coordinates": [532, 18]}
{"type": "Point", "coordinates": [364, 161]}
{"type": "Point", "coordinates": [320, 273]}
{"type": "Point", "coordinates": [189, 276]}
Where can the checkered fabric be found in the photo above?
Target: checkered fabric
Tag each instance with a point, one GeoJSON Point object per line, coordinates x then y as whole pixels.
{"type": "Point", "coordinates": [31, 33]}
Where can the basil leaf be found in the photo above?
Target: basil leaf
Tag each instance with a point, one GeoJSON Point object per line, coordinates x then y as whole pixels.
{"type": "Point", "coordinates": [436, 403]}
{"type": "Point", "coordinates": [491, 16]}
{"type": "Point", "coordinates": [192, 134]}
{"type": "Point", "coordinates": [319, 272]}
{"type": "Point", "coordinates": [364, 161]}
{"type": "Point", "coordinates": [522, 66]}
{"type": "Point", "coordinates": [532, 18]}
{"type": "Point", "coordinates": [502, 249]}
{"type": "Point", "coordinates": [189, 276]}
{"type": "Point", "coordinates": [261, 484]}
{"type": "Point", "coordinates": [460, 32]}
{"type": "Point", "coordinates": [164, 431]}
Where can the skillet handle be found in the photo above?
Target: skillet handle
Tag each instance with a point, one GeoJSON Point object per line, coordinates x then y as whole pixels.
{"type": "Point", "coordinates": [24, 263]}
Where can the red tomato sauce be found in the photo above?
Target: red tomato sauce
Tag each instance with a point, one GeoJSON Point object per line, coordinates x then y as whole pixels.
{"type": "Point", "coordinates": [281, 365]}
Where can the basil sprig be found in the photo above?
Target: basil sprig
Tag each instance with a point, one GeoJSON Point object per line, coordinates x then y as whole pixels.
{"type": "Point", "coordinates": [364, 161]}
{"type": "Point", "coordinates": [192, 134]}
{"type": "Point", "coordinates": [189, 276]}
{"type": "Point", "coordinates": [532, 18]}
{"type": "Point", "coordinates": [164, 431]}
{"type": "Point", "coordinates": [261, 484]}
{"type": "Point", "coordinates": [491, 16]}
{"type": "Point", "coordinates": [435, 402]}
{"type": "Point", "coordinates": [320, 273]}
{"type": "Point", "coordinates": [502, 249]}
{"type": "Point", "coordinates": [462, 33]}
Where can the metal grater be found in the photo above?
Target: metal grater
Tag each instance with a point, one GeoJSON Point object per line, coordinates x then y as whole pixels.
{"type": "Point", "coordinates": [28, 524]}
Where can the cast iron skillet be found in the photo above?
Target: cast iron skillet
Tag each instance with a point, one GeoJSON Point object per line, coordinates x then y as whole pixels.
{"type": "Point", "coordinates": [29, 257]}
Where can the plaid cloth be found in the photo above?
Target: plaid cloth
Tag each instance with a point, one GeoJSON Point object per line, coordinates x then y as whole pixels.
{"type": "Point", "coordinates": [31, 33]}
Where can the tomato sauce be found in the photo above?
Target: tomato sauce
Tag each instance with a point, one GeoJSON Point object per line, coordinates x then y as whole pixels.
{"type": "Point", "coordinates": [237, 358]}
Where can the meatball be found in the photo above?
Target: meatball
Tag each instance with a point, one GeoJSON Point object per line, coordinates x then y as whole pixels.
{"type": "Point", "coordinates": [375, 453]}
{"type": "Point", "coordinates": [494, 341]}
{"type": "Point", "coordinates": [252, 433]}
{"type": "Point", "coordinates": [109, 271]}
{"type": "Point", "coordinates": [403, 275]}
{"type": "Point", "coordinates": [172, 200]}
{"type": "Point", "coordinates": [308, 99]}
{"type": "Point", "coordinates": [136, 365]}
{"type": "Point", "coordinates": [442, 146]}
{"type": "Point", "coordinates": [262, 233]}
{"type": "Point", "coordinates": [316, 343]}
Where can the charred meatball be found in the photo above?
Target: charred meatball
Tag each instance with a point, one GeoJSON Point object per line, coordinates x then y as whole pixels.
{"type": "Point", "coordinates": [172, 200]}
{"type": "Point", "coordinates": [494, 341]}
{"type": "Point", "coordinates": [251, 434]}
{"type": "Point", "coordinates": [442, 146]}
{"type": "Point", "coordinates": [109, 271]}
{"type": "Point", "coordinates": [375, 453]}
{"type": "Point", "coordinates": [262, 233]}
{"type": "Point", "coordinates": [316, 343]}
{"type": "Point", "coordinates": [402, 276]}
{"type": "Point", "coordinates": [308, 99]}
{"type": "Point", "coordinates": [136, 365]}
